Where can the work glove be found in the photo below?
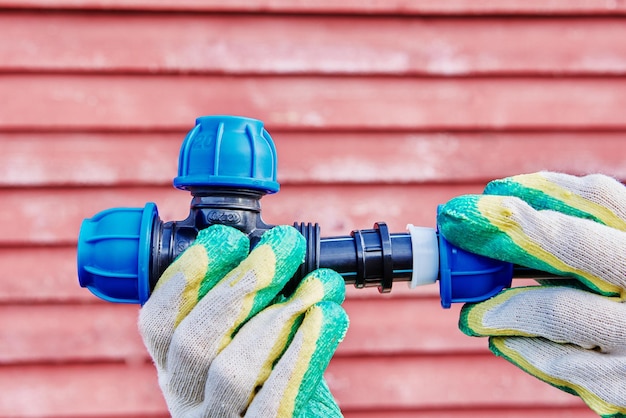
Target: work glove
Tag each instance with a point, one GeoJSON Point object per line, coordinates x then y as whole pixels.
{"type": "Point", "coordinates": [225, 343]}
{"type": "Point", "coordinates": [568, 333]}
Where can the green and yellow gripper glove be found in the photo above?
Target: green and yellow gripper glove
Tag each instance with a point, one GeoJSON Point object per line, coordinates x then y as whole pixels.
{"type": "Point", "coordinates": [568, 333]}
{"type": "Point", "coordinates": [225, 344]}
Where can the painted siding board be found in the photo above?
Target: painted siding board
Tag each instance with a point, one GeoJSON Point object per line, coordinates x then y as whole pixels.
{"type": "Point", "coordinates": [39, 274]}
{"type": "Point", "coordinates": [40, 159]}
{"type": "Point", "coordinates": [250, 44]}
{"type": "Point", "coordinates": [47, 274]}
{"type": "Point", "coordinates": [406, 382]}
{"type": "Point", "coordinates": [80, 390]}
{"type": "Point", "coordinates": [100, 332]}
{"type": "Point", "coordinates": [339, 209]}
{"type": "Point", "coordinates": [96, 102]}
{"type": "Point", "coordinates": [561, 412]}
{"type": "Point", "coordinates": [396, 7]}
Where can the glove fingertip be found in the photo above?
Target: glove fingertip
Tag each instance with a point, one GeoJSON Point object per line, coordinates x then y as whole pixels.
{"type": "Point", "coordinates": [323, 284]}
{"type": "Point", "coordinates": [464, 321]}
{"type": "Point", "coordinates": [465, 222]}
{"type": "Point", "coordinates": [477, 319]}
{"type": "Point", "coordinates": [220, 240]}
{"type": "Point", "coordinates": [288, 245]}
{"type": "Point", "coordinates": [225, 248]}
{"type": "Point", "coordinates": [496, 345]}
{"type": "Point", "coordinates": [335, 321]}
{"type": "Point", "coordinates": [299, 371]}
{"type": "Point", "coordinates": [508, 186]}
{"type": "Point", "coordinates": [324, 327]}
{"type": "Point", "coordinates": [457, 216]}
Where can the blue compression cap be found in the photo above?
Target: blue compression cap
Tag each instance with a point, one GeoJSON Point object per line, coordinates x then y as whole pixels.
{"type": "Point", "coordinates": [114, 253]}
{"type": "Point", "coordinates": [469, 277]}
{"type": "Point", "coordinates": [228, 151]}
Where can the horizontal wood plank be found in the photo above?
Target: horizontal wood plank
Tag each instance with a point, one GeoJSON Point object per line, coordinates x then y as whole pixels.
{"type": "Point", "coordinates": [422, 7]}
{"type": "Point", "coordinates": [53, 217]}
{"type": "Point", "coordinates": [387, 326]}
{"type": "Point", "coordinates": [253, 44]}
{"type": "Point", "coordinates": [44, 274]}
{"type": "Point", "coordinates": [40, 275]}
{"type": "Point", "coordinates": [393, 383]}
{"type": "Point", "coordinates": [558, 412]}
{"type": "Point", "coordinates": [88, 158]}
{"type": "Point", "coordinates": [106, 332]}
{"type": "Point", "coordinates": [95, 102]}
{"type": "Point", "coordinates": [417, 381]}
{"type": "Point", "coordinates": [48, 274]}
{"type": "Point", "coordinates": [151, 158]}
{"type": "Point", "coordinates": [40, 334]}
{"type": "Point", "coordinates": [80, 390]}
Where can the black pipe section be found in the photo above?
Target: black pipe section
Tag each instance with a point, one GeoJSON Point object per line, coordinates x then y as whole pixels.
{"type": "Point", "coordinates": [365, 258]}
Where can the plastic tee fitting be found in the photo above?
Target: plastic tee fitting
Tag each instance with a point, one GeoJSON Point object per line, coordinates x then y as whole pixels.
{"type": "Point", "coordinates": [228, 164]}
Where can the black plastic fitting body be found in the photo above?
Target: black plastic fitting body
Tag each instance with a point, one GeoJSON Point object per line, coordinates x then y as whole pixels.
{"type": "Point", "coordinates": [366, 258]}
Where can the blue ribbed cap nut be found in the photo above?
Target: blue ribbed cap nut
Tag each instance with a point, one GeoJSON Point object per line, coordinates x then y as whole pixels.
{"type": "Point", "coordinates": [114, 249]}
{"type": "Point", "coordinates": [468, 277]}
{"type": "Point", "coordinates": [228, 151]}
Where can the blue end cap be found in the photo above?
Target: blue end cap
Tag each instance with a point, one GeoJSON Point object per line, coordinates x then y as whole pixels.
{"type": "Point", "coordinates": [114, 254]}
{"type": "Point", "coordinates": [469, 277]}
{"type": "Point", "coordinates": [228, 151]}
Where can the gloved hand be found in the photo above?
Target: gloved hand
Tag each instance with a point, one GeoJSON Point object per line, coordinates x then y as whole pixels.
{"type": "Point", "coordinates": [568, 333]}
{"type": "Point", "coordinates": [225, 344]}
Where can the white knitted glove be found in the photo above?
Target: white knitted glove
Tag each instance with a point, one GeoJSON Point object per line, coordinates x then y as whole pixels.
{"type": "Point", "coordinates": [571, 334]}
{"type": "Point", "coordinates": [225, 345]}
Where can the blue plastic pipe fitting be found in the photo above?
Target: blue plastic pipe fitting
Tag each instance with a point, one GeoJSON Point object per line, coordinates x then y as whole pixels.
{"type": "Point", "coordinates": [228, 164]}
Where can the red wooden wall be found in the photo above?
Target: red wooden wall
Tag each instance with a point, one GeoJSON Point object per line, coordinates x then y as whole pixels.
{"type": "Point", "coordinates": [380, 110]}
